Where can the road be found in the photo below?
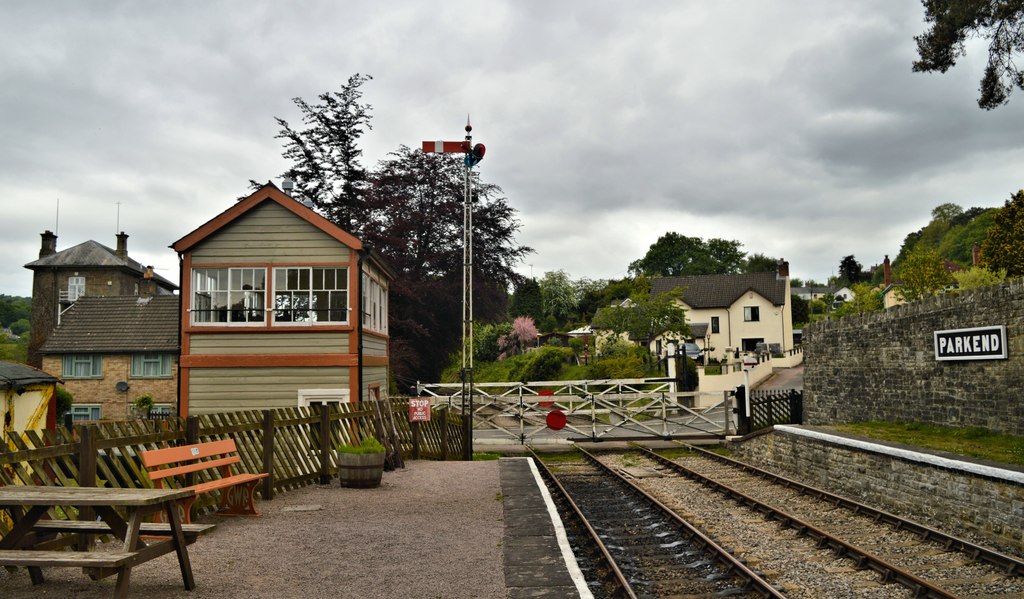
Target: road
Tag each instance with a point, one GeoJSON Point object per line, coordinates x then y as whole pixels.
{"type": "Point", "coordinates": [785, 378]}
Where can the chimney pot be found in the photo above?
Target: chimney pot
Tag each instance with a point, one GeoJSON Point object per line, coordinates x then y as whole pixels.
{"type": "Point", "coordinates": [887, 269]}
{"type": "Point", "coordinates": [975, 255]}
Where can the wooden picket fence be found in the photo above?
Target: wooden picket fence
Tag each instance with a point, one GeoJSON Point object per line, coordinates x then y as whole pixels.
{"type": "Point", "coordinates": [295, 445]}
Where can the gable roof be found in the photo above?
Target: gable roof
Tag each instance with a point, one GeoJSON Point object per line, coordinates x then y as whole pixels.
{"type": "Point", "coordinates": [117, 324]}
{"type": "Point", "coordinates": [271, 193]}
{"type": "Point", "coordinates": [13, 375]}
{"type": "Point", "coordinates": [94, 254]}
{"type": "Point", "coordinates": [721, 291]}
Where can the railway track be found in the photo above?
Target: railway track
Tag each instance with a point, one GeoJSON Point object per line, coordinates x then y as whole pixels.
{"type": "Point", "coordinates": [645, 549]}
{"type": "Point", "coordinates": [926, 562]}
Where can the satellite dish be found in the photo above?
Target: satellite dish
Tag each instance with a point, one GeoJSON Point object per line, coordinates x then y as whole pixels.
{"type": "Point", "coordinates": [121, 386]}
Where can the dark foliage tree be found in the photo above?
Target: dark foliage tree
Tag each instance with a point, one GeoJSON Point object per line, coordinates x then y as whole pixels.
{"type": "Point", "coordinates": [414, 218]}
{"type": "Point", "coordinates": [760, 263]}
{"type": "Point", "coordinates": [325, 153]}
{"type": "Point", "coordinates": [526, 300]}
{"type": "Point", "coordinates": [14, 308]}
{"type": "Point", "coordinates": [851, 271]}
{"type": "Point", "coordinates": [675, 255]}
{"type": "Point", "coordinates": [801, 309]}
{"type": "Point", "coordinates": [1004, 243]}
{"type": "Point", "coordinates": [594, 299]}
{"type": "Point", "coordinates": [952, 22]}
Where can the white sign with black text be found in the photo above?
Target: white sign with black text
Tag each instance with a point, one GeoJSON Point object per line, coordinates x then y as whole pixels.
{"type": "Point", "coordinates": [982, 343]}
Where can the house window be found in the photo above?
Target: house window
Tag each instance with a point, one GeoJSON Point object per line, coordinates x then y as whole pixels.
{"type": "Point", "coordinates": [310, 295]}
{"type": "Point", "coordinates": [751, 314]}
{"type": "Point", "coordinates": [375, 305]}
{"type": "Point", "coordinates": [83, 366]}
{"type": "Point", "coordinates": [714, 324]}
{"type": "Point", "coordinates": [84, 412]}
{"type": "Point", "coordinates": [151, 365]}
{"type": "Point", "coordinates": [229, 295]}
{"type": "Point", "coordinates": [76, 288]}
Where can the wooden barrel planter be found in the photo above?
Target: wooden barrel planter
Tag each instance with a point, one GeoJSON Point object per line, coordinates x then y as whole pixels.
{"type": "Point", "coordinates": [360, 470]}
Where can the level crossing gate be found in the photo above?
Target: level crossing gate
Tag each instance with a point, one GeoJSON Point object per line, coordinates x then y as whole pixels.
{"type": "Point", "coordinates": [594, 410]}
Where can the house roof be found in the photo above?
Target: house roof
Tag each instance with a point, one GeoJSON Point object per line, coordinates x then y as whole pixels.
{"type": "Point", "coordinates": [721, 291]}
{"type": "Point", "coordinates": [117, 324]}
{"type": "Point", "coordinates": [698, 329]}
{"type": "Point", "coordinates": [271, 193]}
{"type": "Point", "coordinates": [13, 375]}
{"type": "Point", "coordinates": [93, 254]}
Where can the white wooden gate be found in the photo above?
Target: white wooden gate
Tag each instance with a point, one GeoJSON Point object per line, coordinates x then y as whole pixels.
{"type": "Point", "coordinates": [609, 410]}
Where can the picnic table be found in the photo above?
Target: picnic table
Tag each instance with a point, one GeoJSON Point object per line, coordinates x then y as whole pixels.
{"type": "Point", "coordinates": [31, 541]}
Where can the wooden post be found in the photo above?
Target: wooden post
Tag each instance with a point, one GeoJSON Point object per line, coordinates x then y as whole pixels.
{"type": "Point", "coordinates": [191, 438]}
{"type": "Point", "coordinates": [415, 426]}
{"type": "Point", "coordinates": [444, 433]}
{"type": "Point", "coordinates": [87, 456]}
{"type": "Point", "coordinates": [268, 453]}
{"type": "Point", "coordinates": [325, 439]}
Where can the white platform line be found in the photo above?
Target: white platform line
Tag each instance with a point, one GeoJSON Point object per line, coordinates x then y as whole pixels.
{"type": "Point", "coordinates": [563, 540]}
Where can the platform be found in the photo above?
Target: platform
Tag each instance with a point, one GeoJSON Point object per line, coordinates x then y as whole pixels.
{"type": "Point", "coordinates": [537, 558]}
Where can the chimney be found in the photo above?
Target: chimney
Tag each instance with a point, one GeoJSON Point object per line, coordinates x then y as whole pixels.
{"type": "Point", "coordinates": [783, 269]}
{"type": "Point", "coordinates": [975, 255]}
{"type": "Point", "coordinates": [147, 286]}
{"type": "Point", "coordinates": [122, 245]}
{"type": "Point", "coordinates": [887, 269]}
{"type": "Point", "coordinates": [49, 245]}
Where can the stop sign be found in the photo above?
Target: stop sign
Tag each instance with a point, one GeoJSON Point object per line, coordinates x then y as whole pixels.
{"type": "Point", "coordinates": [546, 393]}
{"type": "Point", "coordinates": [556, 420]}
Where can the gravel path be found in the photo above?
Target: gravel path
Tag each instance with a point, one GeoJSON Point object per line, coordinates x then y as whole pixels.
{"type": "Point", "coordinates": [432, 530]}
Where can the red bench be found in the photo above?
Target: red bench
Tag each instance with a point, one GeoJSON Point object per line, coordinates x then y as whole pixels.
{"type": "Point", "coordinates": [236, 490]}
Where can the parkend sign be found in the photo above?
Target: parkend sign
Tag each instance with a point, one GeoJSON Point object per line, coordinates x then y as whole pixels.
{"type": "Point", "coordinates": [981, 343]}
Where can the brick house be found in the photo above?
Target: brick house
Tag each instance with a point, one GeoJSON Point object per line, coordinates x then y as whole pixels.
{"type": "Point", "coordinates": [110, 350]}
{"type": "Point", "coordinates": [735, 311]}
{"type": "Point", "coordinates": [89, 269]}
{"type": "Point", "coordinates": [280, 307]}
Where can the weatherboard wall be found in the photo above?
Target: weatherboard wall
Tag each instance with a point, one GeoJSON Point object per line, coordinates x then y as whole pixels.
{"type": "Point", "coordinates": [230, 389]}
{"type": "Point", "coordinates": [269, 233]}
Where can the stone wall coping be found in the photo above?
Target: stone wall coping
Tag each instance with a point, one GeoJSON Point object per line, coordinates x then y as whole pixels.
{"type": "Point", "coordinates": [913, 456]}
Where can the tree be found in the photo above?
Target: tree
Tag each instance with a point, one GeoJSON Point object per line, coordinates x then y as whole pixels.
{"type": "Point", "coordinates": [1003, 247]}
{"type": "Point", "coordinates": [951, 22]}
{"type": "Point", "coordinates": [760, 263]}
{"type": "Point", "coordinates": [325, 154]}
{"type": "Point", "coordinates": [851, 271]}
{"type": "Point", "coordinates": [865, 299]}
{"type": "Point", "coordinates": [978, 276]}
{"type": "Point", "coordinates": [414, 217]}
{"type": "Point", "coordinates": [522, 336]}
{"type": "Point", "coordinates": [559, 298]}
{"type": "Point", "coordinates": [922, 274]}
{"type": "Point", "coordinates": [946, 212]}
{"type": "Point", "coordinates": [675, 255]}
{"type": "Point", "coordinates": [526, 300]}
{"type": "Point", "coordinates": [646, 317]}
{"type": "Point", "coordinates": [801, 309]}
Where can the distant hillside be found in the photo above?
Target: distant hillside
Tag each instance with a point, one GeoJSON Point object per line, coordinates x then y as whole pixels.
{"type": "Point", "coordinates": [13, 309]}
{"type": "Point", "coordinates": [952, 233]}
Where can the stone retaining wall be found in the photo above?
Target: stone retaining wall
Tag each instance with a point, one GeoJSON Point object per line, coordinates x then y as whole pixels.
{"type": "Point", "coordinates": [882, 366]}
{"type": "Point", "coordinates": [927, 488]}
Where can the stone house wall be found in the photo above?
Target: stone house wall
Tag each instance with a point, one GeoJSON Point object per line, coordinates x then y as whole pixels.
{"type": "Point", "coordinates": [116, 405]}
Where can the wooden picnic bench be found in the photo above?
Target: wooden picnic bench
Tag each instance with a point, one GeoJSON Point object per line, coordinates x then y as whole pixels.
{"type": "Point", "coordinates": [236, 490]}
{"type": "Point", "coordinates": [34, 543]}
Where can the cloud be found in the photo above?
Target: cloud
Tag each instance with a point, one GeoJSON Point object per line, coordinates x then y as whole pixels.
{"type": "Point", "coordinates": [797, 129]}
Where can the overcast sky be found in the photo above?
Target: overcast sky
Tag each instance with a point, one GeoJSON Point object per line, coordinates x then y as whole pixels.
{"type": "Point", "coordinates": [796, 128]}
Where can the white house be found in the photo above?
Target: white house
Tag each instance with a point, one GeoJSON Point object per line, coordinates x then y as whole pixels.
{"type": "Point", "coordinates": [736, 312]}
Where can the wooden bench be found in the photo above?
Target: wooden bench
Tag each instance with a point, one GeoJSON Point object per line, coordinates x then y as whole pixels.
{"type": "Point", "coordinates": [96, 527]}
{"type": "Point", "coordinates": [236, 490]}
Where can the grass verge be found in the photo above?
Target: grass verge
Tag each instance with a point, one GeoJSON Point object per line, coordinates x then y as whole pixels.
{"type": "Point", "coordinates": [972, 442]}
